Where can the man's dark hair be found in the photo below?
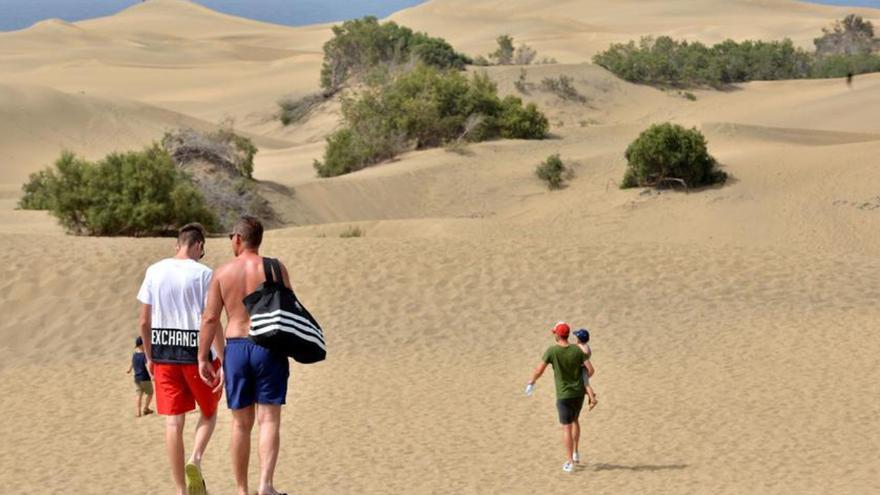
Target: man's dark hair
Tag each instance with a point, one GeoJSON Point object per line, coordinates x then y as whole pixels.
{"type": "Point", "coordinates": [251, 231]}
{"type": "Point", "coordinates": [190, 234]}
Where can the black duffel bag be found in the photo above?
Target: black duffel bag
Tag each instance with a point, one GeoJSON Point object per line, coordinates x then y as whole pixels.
{"type": "Point", "coordinates": [280, 323]}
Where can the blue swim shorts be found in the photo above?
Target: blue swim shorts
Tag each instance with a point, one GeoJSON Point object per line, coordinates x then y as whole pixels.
{"type": "Point", "coordinates": [254, 374]}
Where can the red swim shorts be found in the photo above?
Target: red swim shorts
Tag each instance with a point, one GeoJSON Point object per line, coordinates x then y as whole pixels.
{"type": "Point", "coordinates": [179, 388]}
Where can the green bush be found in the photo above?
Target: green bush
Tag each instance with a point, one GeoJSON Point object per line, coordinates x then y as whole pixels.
{"type": "Point", "coordinates": [844, 65]}
{"type": "Point", "coordinates": [135, 194]}
{"type": "Point", "coordinates": [37, 195]}
{"type": "Point", "coordinates": [361, 44]}
{"type": "Point", "coordinates": [425, 108]}
{"type": "Point", "coordinates": [348, 152]}
{"type": "Point", "coordinates": [352, 232]}
{"type": "Point", "coordinates": [552, 171]}
{"type": "Point", "coordinates": [847, 49]}
{"type": "Point", "coordinates": [667, 62]}
{"type": "Point", "coordinates": [669, 151]}
{"type": "Point", "coordinates": [521, 122]}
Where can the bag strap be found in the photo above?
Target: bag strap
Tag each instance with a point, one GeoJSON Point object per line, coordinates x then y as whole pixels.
{"type": "Point", "coordinates": [268, 269]}
{"type": "Point", "coordinates": [276, 265]}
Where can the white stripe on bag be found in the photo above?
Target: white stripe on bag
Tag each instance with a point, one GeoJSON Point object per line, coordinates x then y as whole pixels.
{"type": "Point", "coordinates": [290, 323]}
{"type": "Point", "coordinates": [289, 330]}
{"type": "Point", "coordinates": [283, 313]}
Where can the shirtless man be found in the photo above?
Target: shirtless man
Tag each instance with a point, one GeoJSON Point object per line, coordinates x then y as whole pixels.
{"type": "Point", "coordinates": [256, 379]}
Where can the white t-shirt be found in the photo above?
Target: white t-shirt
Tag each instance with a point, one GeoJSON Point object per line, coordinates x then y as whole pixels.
{"type": "Point", "coordinates": [176, 290]}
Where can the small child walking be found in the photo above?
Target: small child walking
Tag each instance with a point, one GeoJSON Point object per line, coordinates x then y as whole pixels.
{"type": "Point", "coordinates": [142, 380]}
{"type": "Point", "coordinates": [583, 337]}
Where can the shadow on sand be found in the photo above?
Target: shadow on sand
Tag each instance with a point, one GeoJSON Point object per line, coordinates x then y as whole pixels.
{"type": "Point", "coordinates": [637, 467]}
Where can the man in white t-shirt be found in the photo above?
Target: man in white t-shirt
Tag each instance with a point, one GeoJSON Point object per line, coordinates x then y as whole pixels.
{"type": "Point", "coordinates": [172, 299]}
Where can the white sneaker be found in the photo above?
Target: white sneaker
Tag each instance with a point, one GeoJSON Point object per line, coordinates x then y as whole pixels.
{"type": "Point", "coordinates": [576, 457]}
{"type": "Point", "coordinates": [568, 467]}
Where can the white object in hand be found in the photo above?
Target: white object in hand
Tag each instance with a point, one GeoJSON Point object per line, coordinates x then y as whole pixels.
{"type": "Point", "coordinates": [530, 389]}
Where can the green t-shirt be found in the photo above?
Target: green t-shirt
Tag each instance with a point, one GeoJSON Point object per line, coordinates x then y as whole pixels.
{"type": "Point", "coordinates": [568, 366]}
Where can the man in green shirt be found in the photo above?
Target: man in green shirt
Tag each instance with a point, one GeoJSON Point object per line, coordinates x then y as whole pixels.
{"type": "Point", "coordinates": [568, 361]}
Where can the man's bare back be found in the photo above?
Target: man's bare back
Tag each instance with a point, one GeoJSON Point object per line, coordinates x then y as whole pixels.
{"type": "Point", "coordinates": [235, 280]}
{"type": "Point", "coordinates": [257, 376]}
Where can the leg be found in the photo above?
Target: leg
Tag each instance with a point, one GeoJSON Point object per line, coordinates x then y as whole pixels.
{"type": "Point", "coordinates": [174, 446]}
{"type": "Point", "coordinates": [592, 394]}
{"type": "Point", "coordinates": [576, 436]}
{"type": "Point", "coordinates": [149, 400]}
{"type": "Point", "coordinates": [242, 424]}
{"type": "Point", "coordinates": [207, 401]}
{"type": "Point", "coordinates": [269, 417]}
{"type": "Point", "coordinates": [204, 430]}
{"type": "Point", "coordinates": [138, 402]}
{"type": "Point", "coordinates": [567, 441]}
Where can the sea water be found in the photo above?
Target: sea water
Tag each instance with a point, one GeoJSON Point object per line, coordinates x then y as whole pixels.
{"type": "Point", "coordinates": [19, 14]}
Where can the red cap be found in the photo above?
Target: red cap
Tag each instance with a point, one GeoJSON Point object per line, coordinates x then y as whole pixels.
{"type": "Point", "coordinates": [562, 330]}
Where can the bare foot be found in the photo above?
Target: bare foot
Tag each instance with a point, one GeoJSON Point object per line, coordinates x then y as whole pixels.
{"type": "Point", "coordinates": [593, 404]}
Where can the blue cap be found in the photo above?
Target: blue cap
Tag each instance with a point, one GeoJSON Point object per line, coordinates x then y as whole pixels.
{"type": "Point", "coordinates": [583, 335]}
{"type": "Point", "coordinates": [138, 342]}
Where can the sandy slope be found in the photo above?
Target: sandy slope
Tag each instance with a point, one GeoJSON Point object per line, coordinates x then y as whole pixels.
{"type": "Point", "coordinates": [733, 326]}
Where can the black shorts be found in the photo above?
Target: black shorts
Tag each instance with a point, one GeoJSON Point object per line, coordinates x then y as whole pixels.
{"type": "Point", "coordinates": [569, 409]}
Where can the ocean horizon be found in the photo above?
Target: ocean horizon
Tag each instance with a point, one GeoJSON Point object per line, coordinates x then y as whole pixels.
{"type": "Point", "coordinates": [17, 14]}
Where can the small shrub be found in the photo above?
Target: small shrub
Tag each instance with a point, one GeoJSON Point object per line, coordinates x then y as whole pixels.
{"type": "Point", "coordinates": [687, 95]}
{"type": "Point", "coordinates": [292, 111]}
{"type": "Point", "coordinates": [547, 61]}
{"type": "Point", "coordinates": [670, 152]}
{"type": "Point", "coordinates": [346, 152]}
{"type": "Point", "coordinates": [524, 55]}
{"type": "Point", "coordinates": [506, 54]}
{"type": "Point", "coordinates": [481, 61]}
{"type": "Point", "coordinates": [563, 88]}
{"type": "Point", "coordinates": [134, 194]}
{"type": "Point", "coordinates": [522, 122]}
{"type": "Point", "coordinates": [552, 171]}
{"type": "Point", "coordinates": [851, 36]}
{"type": "Point", "coordinates": [222, 147]}
{"type": "Point", "coordinates": [503, 55]}
{"type": "Point", "coordinates": [352, 232]}
{"type": "Point", "coordinates": [521, 84]}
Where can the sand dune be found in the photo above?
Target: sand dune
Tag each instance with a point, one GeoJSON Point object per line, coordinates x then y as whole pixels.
{"type": "Point", "coordinates": [732, 326]}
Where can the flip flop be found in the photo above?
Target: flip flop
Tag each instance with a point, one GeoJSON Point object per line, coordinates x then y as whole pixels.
{"type": "Point", "coordinates": [195, 483]}
{"type": "Point", "coordinates": [148, 411]}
